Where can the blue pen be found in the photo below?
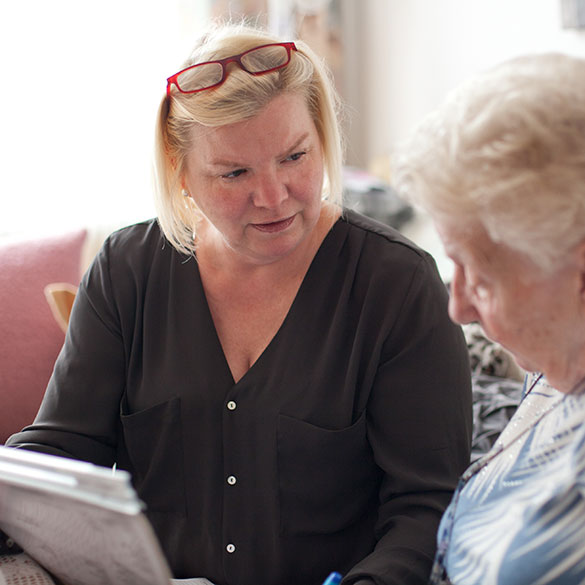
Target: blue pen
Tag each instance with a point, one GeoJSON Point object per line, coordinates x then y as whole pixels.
{"type": "Point", "coordinates": [333, 579]}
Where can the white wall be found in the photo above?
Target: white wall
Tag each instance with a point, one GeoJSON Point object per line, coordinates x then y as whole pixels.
{"type": "Point", "coordinates": [81, 82]}
{"type": "Point", "coordinates": [80, 85]}
{"type": "Point", "coordinates": [407, 54]}
{"type": "Point", "coordinates": [412, 52]}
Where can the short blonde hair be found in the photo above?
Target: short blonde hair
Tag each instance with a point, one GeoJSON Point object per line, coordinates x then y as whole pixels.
{"type": "Point", "coordinates": [507, 150]}
{"type": "Point", "coordinates": [240, 97]}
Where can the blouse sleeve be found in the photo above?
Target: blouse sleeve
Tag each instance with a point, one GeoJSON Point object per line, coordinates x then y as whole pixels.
{"type": "Point", "coordinates": [419, 426]}
{"type": "Point", "coordinates": [79, 412]}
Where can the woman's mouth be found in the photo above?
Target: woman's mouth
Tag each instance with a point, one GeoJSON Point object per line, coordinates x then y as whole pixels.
{"type": "Point", "coordinates": [274, 226]}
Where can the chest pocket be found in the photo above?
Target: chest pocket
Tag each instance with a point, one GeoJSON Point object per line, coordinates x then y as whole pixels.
{"type": "Point", "coordinates": [155, 448]}
{"type": "Point", "coordinates": [327, 479]}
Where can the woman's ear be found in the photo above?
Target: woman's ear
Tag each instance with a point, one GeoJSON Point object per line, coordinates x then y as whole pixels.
{"type": "Point", "coordinates": [184, 189]}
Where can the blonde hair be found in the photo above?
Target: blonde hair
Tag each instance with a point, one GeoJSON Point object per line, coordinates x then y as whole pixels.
{"type": "Point", "coordinates": [240, 97]}
{"type": "Point", "coordinates": [507, 150]}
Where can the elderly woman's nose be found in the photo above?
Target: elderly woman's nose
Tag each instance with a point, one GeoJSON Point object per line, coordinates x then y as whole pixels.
{"type": "Point", "coordinates": [461, 307]}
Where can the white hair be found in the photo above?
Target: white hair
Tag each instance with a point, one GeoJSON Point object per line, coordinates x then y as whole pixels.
{"type": "Point", "coordinates": [507, 150]}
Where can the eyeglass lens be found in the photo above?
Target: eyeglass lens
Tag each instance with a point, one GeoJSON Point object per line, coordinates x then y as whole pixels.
{"type": "Point", "coordinates": [200, 77]}
{"type": "Point", "coordinates": [259, 60]}
{"type": "Point", "coordinates": [265, 58]}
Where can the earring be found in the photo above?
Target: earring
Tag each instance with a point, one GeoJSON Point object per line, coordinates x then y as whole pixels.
{"type": "Point", "coordinates": [185, 193]}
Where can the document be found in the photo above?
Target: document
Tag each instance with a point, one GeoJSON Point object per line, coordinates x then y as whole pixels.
{"type": "Point", "coordinates": [83, 524]}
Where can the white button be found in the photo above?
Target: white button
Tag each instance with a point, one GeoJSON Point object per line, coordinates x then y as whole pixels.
{"type": "Point", "coordinates": [231, 405]}
{"type": "Point", "coordinates": [230, 548]}
{"type": "Point", "coordinates": [231, 480]}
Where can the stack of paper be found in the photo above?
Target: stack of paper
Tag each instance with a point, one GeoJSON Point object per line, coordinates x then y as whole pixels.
{"type": "Point", "coordinates": [83, 523]}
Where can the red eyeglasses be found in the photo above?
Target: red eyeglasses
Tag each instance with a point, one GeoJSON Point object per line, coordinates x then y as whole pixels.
{"type": "Point", "coordinates": [256, 61]}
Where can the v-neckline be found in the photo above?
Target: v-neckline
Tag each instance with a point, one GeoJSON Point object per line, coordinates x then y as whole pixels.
{"type": "Point", "coordinates": [256, 365]}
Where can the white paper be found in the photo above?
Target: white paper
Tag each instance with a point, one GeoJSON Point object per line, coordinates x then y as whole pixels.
{"type": "Point", "coordinates": [81, 522]}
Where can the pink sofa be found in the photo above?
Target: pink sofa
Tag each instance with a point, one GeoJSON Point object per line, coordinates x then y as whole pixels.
{"type": "Point", "coordinates": [31, 337]}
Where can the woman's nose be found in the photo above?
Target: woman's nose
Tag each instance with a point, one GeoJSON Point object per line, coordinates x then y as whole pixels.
{"type": "Point", "coordinates": [270, 190]}
{"type": "Point", "coordinates": [461, 307]}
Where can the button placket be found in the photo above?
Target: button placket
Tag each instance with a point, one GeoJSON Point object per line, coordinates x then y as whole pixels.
{"type": "Point", "coordinates": [231, 424]}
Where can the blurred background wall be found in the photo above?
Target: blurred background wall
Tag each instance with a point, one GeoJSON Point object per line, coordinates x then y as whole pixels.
{"type": "Point", "coordinates": [81, 82]}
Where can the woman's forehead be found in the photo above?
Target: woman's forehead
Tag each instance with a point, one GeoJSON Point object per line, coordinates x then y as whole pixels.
{"type": "Point", "coordinates": [278, 126]}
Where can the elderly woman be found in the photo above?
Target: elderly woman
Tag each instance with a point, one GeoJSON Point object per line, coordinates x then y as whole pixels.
{"type": "Point", "coordinates": [501, 170]}
{"type": "Point", "coordinates": [280, 376]}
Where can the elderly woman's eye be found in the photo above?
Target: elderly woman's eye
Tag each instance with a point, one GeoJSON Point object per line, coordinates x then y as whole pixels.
{"type": "Point", "coordinates": [481, 292]}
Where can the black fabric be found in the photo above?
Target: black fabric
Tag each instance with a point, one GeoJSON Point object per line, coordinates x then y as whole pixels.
{"type": "Point", "coordinates": [8, 546]}
{"type": "Point", "coordinates": [346, 437]}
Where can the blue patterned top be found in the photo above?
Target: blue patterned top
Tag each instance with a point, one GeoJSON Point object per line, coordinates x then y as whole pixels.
{"type": "Point", "coordinates": [519, 517]}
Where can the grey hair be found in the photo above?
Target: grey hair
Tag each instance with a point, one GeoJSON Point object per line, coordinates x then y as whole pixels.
{"type": "Point", "coordinates": [507, 150]}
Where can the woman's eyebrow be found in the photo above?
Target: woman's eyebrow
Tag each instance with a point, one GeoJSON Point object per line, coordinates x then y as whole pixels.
{"type": "Point", "coordinates": [295, 145]}
{"type": "Point", "coordinates": [233, 163]}
{"type": "Point", "coordinates": [226, 163]}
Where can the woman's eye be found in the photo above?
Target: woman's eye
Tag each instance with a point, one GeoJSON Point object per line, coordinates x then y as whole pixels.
{"type": "Point", "coordinates": [234, 174]}
{"type": "Point", "coordinates": [476, 288]}
{"type": "Point", "coordinates": [295, 156]}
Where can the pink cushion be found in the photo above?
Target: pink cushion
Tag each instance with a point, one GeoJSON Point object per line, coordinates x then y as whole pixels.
{"type": "Point", "coordinates": [31, 338]}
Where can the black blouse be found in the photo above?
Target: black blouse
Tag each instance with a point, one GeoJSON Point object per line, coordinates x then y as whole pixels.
{"type": "Point", "coordinates": [338, 450]}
